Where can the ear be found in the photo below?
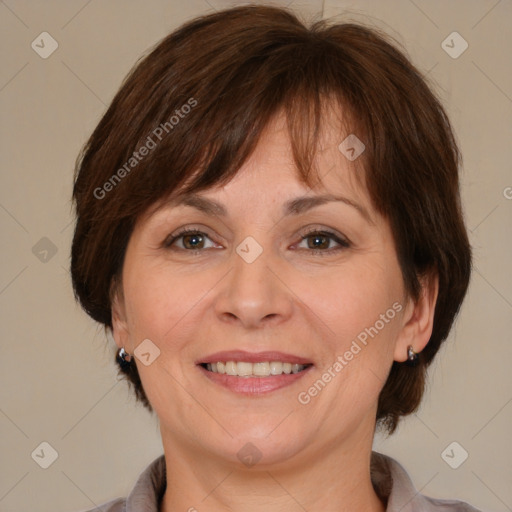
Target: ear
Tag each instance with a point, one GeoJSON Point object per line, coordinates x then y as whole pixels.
{"type": "Point", "coordinates": [120, 330]}
{"type": "Point", "coordinates": [418, 319]}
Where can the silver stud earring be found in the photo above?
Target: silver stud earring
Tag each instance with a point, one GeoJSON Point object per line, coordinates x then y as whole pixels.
{"type": "Point", "coordinates": [123, 358]}
{"type": "Point", "coordinates": [412, 357]}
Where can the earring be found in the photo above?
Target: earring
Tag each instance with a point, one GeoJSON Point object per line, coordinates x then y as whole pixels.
{"type": "Point", "coordinates": [412, 357]}
{"type": "Point", "coordinates": [123, 358]}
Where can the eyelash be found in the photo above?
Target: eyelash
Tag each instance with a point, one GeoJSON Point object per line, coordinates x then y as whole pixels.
{"type": "Point", "coordinates": [344, 244]}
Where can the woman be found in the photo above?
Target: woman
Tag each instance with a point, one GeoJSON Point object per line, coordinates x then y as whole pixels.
{"type": "Point", "coordinates": [269, 221]}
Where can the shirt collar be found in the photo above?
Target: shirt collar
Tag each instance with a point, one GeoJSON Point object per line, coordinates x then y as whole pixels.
{"type": "Point", "coordinates": [390, 481]}
{"type": "Point", "coordinates": [149, 489]}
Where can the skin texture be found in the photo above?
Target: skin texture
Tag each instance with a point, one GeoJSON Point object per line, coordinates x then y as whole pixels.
{"type": "Point", "coordinates": [290, 299]}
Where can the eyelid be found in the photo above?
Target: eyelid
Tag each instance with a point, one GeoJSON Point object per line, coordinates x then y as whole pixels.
{"type": "Point", "coordinates": [178, 233]}
{"type": "Point", "coordinates": [322, 229]}
{"type": "Point", "coordinates": [342, 241]}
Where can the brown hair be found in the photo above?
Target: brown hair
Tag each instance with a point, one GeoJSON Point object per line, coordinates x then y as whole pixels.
{"type": "Point", "coordinates": [200, 101]}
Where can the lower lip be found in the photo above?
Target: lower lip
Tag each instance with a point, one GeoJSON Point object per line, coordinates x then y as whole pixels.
{"type": "Point", "coordinates": [254, 385]}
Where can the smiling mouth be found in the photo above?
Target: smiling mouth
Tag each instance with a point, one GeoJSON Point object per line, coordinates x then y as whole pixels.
{"type": "Point", "coordinates": [260, 369]}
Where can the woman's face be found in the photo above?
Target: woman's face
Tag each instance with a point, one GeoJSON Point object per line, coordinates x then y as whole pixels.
{"type": "Point", "coordinates": [311, 283]}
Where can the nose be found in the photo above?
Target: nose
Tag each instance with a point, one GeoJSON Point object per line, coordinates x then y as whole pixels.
{"type": "Point", "coordinates": [254, 294]}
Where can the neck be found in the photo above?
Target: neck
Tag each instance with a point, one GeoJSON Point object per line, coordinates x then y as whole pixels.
{"type": "Point", "coordinates": [334, 479]}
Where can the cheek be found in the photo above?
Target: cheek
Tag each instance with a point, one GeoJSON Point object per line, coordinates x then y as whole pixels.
{"type": "Point", "coordinates": [151, 290]}
{"type": "Point", "coordinates": [352, 299]}
{"type": "Point", "coordinates": [157, 307]}
{"type": "Point", "coordinates": [162, 302]}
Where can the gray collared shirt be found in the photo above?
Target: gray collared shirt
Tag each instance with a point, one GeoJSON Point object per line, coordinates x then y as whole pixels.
{"type": "Point", "coordinates": [389, 478]}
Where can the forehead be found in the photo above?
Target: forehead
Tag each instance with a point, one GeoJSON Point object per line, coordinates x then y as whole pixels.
{"type": "Point", "coordinates": [272, 162]}
{"type": "Point", "coordinates": [271, 172]}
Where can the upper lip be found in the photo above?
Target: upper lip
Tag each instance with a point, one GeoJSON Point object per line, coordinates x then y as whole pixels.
{"type": "Point", "coordinates": [253, 357]}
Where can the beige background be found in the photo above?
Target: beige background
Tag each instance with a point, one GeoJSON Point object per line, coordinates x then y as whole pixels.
{"type": "Point", "coordinates": [59, 382]}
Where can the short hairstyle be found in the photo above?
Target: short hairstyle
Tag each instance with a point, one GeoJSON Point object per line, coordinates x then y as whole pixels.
{"type": "Point", "coordinates": [195, 107]}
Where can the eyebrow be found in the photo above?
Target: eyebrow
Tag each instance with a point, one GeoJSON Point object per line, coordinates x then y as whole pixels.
{"type": "Point", "coordinates": [292, 207]}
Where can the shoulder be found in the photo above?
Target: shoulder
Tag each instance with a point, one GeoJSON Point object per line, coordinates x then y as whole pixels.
{"type": "Point", "coordinates": [448, 505]}
{"type": "Point", "coordinates": [116, 505]}
{"type": "Point", "coordinates": [392, 483]}
{"type": "Point", "coordinates": [147, 492]}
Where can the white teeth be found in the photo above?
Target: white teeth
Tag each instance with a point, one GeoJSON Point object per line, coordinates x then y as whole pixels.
{"type": "Point", "coordinates": [296, 368]}
{"type": "Point", "coordinates": [231, 368]}
{"type": "Point", "coordinates": [243, 369]}
{"type": "Point", "coordinates": [261, 369]}
{"type": "Point", "coordinates": [276, 368]}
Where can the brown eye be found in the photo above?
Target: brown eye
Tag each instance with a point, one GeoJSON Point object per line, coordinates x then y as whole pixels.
{"type": "Point", "coordinates": [194, 241]}
{"type": "Point", "coordinates": [191, 240]}
{"type": "Point", "coordinates": [319, 242]}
